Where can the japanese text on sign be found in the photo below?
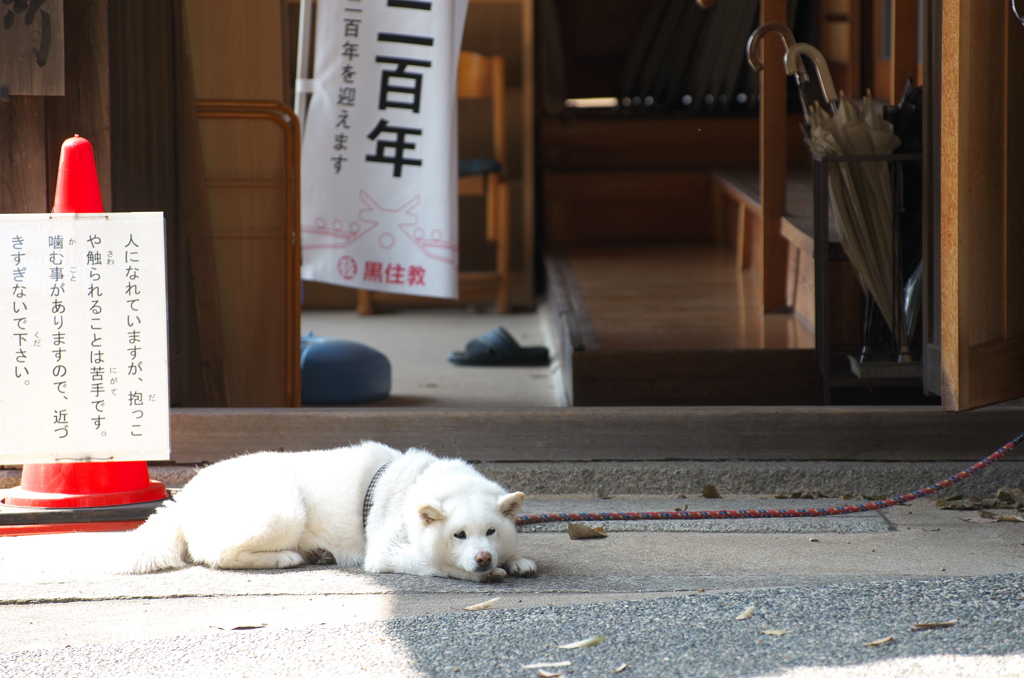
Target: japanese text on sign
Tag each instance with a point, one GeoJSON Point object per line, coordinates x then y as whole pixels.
{"type": "Point", "coordinates": [83, 338]}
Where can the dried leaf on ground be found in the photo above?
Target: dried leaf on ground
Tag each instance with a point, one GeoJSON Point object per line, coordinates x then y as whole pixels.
{"type": "Point", "coordinates": [933, 625]}
{"type": "Point", "coordinates": [482, 606]}
{"type": "Point", "coordinates": [1009, 519]}
{"type": "Point", "coordinates": [959, 503]}
{"type": "Point", "coordinates": [587, 642]}
{"type": "Point", "coordinates": [1010, 495]}
{"type": "Point", "coordinates": [546, 665]}
{"type": "Point", "coordinates": [710, 492]}
{"type": "Point", "coordinates": [775, 632]}
{"type": "Point", "coordinates": [805, 494]}
{"type": "Point", "coordinates": [1005, 498]}
{"type": "Point", "coordinates": [581, 531]}
{"type": "Point", "coordinates": [881, 641]}
{"type": "Point", "coordinates": [244, 626]}
{"type": "Point", "coordinates": [746, 614]}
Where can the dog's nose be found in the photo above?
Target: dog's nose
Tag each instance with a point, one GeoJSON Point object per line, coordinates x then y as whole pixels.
{"type": "Point", "coordinates": [483, 559]}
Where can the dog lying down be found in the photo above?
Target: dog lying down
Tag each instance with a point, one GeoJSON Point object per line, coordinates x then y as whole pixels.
{"type": "Point", "coordinates": [366, 504]}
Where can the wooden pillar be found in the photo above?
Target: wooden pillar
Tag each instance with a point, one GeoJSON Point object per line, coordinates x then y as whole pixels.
{"type": "Point", "coordinates": [774, 248]}
{"type": "Point", "coordinates": [903, 63]}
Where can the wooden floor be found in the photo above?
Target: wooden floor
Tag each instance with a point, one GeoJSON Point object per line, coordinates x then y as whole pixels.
{"type": "Point", "coordinates": [679, 325]}
{"type": "Point", "coordinates": [678, 297]}
{"type": "Point", "coordinates": [674, 325]}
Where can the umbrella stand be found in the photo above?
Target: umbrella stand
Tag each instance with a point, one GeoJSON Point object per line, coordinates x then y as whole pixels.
{"type": "Point", "coordinates": [901, 369]}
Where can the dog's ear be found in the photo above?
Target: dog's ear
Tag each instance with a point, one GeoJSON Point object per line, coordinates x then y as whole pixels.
{"type": "Point", "coordinates": [429, 514]}
{"type": "Point", "coordinates": [510, 504]}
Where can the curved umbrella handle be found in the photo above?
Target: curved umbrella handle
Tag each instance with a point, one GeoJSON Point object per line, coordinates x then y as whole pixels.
{"type": "Point", "coordinates": [753, 42]}
{"type": "Point", "coordinates": [794, 64]}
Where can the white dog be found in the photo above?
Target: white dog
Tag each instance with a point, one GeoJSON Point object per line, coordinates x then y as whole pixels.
{"type": "Point", "coordinates": [367, 504]}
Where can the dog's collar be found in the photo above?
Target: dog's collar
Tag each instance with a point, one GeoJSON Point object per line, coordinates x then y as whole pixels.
{"type": "Point", "coordinates": [368, 500]}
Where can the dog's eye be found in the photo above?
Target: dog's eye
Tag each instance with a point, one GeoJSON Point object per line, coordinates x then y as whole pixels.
{"type": "Point", "coordinates": [490, 532]}
{"type": "Point", "coordinates": [460, 535]}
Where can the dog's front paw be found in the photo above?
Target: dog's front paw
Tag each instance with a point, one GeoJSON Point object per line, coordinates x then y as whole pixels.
{"type": "Point", "coordinates": [521, 567]}
{"type": "Point", "coordinates": [497, 574]}
{"type": "Point", "coordinates": [286, 559]}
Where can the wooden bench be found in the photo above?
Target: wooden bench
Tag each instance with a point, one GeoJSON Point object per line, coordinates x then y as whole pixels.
{"type": "Point", "coordinates": [737, 222]}
{"type": "Point", "coordinates": [736, 209]}
{"type": "Point", "coordinates": [733, 189]}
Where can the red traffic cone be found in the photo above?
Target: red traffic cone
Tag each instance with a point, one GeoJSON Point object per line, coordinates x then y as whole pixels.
{"type": "Point", "coordinates": [81, 484]}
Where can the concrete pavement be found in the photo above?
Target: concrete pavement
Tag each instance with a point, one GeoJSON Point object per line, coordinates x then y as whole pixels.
{"type": "Point", "coordinates": [63, 611]}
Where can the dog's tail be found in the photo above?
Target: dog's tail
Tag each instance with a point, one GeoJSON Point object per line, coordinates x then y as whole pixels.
{"type": "Point", "coordinates": [159, 543]}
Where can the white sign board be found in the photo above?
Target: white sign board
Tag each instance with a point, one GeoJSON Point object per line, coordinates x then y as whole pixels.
{"type": "Point", "coordinates": [83, 338]}
{"type": "Point", "coordinates": [379, 200]}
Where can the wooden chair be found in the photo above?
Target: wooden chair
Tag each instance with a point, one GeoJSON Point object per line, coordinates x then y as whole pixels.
{"type": "Point", "coordinates": [483, 77]}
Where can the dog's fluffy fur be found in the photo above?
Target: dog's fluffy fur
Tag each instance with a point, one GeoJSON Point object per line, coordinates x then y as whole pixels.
{"type": "Point", "coordinates": [430, 516]}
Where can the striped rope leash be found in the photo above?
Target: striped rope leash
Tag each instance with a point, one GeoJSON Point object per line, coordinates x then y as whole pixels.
{"type": "Point", "coordinates": [529, 519]}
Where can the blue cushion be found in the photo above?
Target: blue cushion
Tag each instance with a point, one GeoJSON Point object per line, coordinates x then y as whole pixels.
{"type": "Point", "coordinates": [340, 372]}
{"type": "Point", "coordinates": [478, 166]}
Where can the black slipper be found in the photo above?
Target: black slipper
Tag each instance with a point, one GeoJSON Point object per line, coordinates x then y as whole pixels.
{"type": "Point", "coordinates": [498, 348]}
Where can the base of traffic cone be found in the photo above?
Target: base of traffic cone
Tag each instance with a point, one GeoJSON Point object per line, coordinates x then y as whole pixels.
{"type": "Point", "coordinates": [18, 520]}
{"type": "Point", "coordinates": [64, 528]}
{"type": "Point", "coordinates": [85, 484]}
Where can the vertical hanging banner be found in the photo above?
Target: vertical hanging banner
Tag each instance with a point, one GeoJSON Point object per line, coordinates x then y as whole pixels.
{"type": "Point", "coordinates": [379, 199]}
{"type": "Point", "coordinates": [83, 338]}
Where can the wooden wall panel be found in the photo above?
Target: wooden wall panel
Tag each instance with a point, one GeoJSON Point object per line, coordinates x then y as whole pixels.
{"type": "Point", "coordinates": [122, 84]}
{"type": "Point", "coordinates": [253, 341]}
{"type": "Point", "coordinates": [32, 128]}
{"type": "Point", "coordinates": [23, 166]}
{"type": "Point", "coordinates": [85, 107]}
{"type": "Point", "coordinates": [649, 144]}
{"type": "Point", "coordinates": [32, 49]}
{"type": "Point", "coordinates": [238, 48]}
{"type": "Point", "coordinates": [982, 159]}
{"type": "Point", "coordinates": [620, 208]}
{"type": "Point", "coordinates": [238, 54]}
{"type": "Point", "coordinates": [142, 140]}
